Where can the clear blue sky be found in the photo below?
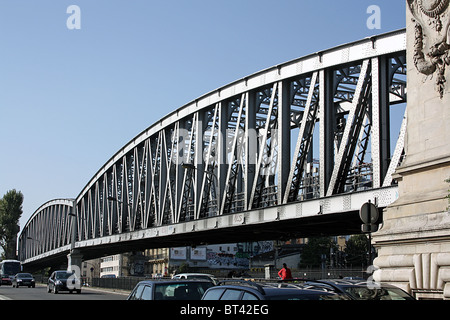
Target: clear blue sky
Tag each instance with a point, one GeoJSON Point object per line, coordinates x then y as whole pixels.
{"type": "Point", "coordinates": [69, 99]}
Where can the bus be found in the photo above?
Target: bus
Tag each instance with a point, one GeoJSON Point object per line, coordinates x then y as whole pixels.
{"type": "Point", "coordinates": [8, 269]}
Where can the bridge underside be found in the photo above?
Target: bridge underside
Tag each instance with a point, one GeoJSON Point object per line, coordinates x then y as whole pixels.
{"type": "Point", "coordinates": [341, 223]}
{"type": "Point", "coordinates": [336, 215]}
{"type": "Point", "coordinates": [319, 225]}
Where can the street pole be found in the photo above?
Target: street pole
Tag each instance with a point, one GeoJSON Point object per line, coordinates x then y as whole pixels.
{"type": "Point", "coordinates": [74, 258]}
{"type": "Point", "coordinates": [73, 214]}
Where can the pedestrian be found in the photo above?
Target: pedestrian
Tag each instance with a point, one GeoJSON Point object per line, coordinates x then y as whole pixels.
{"type": "Point", "coordinates": [285, 273]}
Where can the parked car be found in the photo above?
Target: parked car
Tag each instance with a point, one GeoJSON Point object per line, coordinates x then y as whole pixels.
{"type": "Point", "coordinates": [23, 279]}
{"type": "Point", "coordinates": [63, 281]}
{"type": "Point", "coordinates": [199, 276]}
{"type": "Point", "coordinates": [361, 289]}
{"type": "Point", "coordinates": [249, 290]}
{"type": "Point", "coordinates": [170, 290]}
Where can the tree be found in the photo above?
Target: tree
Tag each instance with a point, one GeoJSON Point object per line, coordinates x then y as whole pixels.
{"type": "Point", "coordinates": [356, 250]}
{"type": "Point", "coordinates": [315, 250]}
{"type": "Point", "coordinates": [10, 213]}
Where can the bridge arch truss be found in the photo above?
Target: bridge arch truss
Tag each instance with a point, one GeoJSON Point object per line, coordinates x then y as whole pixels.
{"type": "Point", "coordinates": [309, 129]}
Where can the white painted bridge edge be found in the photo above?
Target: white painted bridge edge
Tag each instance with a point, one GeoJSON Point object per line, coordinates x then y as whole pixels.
{"type": "Point", "coordinates": [340, 203]}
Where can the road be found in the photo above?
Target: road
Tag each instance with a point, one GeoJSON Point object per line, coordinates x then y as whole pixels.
{"type": "Point", "coordinates": [40, 293]}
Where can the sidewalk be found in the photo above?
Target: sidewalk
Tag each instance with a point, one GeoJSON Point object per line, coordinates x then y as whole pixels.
{"type": "Point", "coordinates": [98, 289]}
{"type": "Point", "coordinates": [110, 290]}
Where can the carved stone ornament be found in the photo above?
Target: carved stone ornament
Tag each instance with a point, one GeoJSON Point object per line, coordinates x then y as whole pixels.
{"type": "Point", "coordinates": [432, 38]}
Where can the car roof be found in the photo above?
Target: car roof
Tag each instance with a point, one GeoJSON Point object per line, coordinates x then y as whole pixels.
{"type": "Point", "coordinates": [194, 274]}
{"type": "Point", "coordinates": [352, 282]}
{"type": "Point", "coordinates": [292, 290]}
{"type": "Point", "coordinates": [270, 289]}
{"type": "Point", "coordinates": [168, 281]}
{"type": "Point", "coordinates": [275, 293]}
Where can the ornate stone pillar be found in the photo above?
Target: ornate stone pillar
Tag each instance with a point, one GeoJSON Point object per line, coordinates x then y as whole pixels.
{"type": "Point", "coordinates": [414, 241]}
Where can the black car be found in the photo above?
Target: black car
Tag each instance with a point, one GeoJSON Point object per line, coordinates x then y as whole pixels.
{"type": "Point", "coordinates": [170, 290]}
{"type": "Point", "coordinates": [249, 290]}
{"type": "Point", "coordinates": [23, 279]}
{"type": "Point", "coordinates": [361, 289]}
{"type": "Point", "coordinates": [63, 281]}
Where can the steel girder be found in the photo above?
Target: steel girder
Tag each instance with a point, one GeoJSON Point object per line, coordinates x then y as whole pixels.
{"type": "Point", "coordinates": [49, 228]}
{"type": "Point", "coordinates": [308, 129]}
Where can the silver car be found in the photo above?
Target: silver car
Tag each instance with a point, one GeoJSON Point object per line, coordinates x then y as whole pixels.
{"type": "Point", "coordinates": [22, 280]}
{"type": "Point", "coordinates": [63, 281]}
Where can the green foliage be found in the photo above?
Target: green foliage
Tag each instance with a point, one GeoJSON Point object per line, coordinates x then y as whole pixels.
{"type": "Point", "coordinates": [183, 268]}
{"type": "Point", "coordinates": [10, 213]}
{"type": "Point", "coordinates": [356, 250]}
{"type": "Point", "coordinates": [315, 250]}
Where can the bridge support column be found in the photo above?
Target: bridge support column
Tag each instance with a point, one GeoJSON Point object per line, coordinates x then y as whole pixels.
{"type": "Point", "coordinates": [74, 260]}
{"type": "Point", "coordinates": [414, 242]}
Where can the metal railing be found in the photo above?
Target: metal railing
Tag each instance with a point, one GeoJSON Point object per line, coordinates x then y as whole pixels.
{"type": "Point", "coordinates": [128, 283]}
{"type": "Point", "coordinates": [122, 283]}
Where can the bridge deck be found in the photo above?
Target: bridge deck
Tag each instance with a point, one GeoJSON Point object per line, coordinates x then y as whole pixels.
{"type": "Point", "coordinates": [335, 215]}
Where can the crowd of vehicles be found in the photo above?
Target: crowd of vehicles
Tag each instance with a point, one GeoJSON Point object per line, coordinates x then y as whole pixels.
{"type": "Point", "coordinates": [206, 287]}
{"type": "Point", "coordinates": [62, 280]}
{"type": "Point", "coordinates": [248, 290]}
{"type": "Point", "coordinates": [356, 289]}
{"type": "Point", "coordinates": [199, 286]}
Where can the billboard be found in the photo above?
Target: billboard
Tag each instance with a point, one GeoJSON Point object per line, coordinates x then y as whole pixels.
{"type": "Point", "coordinates": [198, 254]}
{"type": "Point", "coordinates": [178, 253]}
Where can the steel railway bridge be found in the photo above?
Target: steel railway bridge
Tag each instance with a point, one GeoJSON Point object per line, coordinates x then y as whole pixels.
{"type": "Point", "coordinates": [290, 151]}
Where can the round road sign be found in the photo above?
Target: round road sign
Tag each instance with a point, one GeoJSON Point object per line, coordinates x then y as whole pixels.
{"type": "Point", "coordinates": [369, 213]}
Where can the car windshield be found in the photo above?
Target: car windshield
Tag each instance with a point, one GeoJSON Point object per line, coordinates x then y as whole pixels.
{"type": "Point", "coordinates": [377, 293]}
{"type": "Point", "coordinates": [24, 275]}
{"type": "Point", "coordinates": [181, 291]}
{"type": "Point", "coordinates": [11, 268]}
{"type": "Point", "coordinates": [63, 275]}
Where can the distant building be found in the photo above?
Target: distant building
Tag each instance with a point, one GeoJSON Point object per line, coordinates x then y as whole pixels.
{"type": "Point", "coordinates": [90, 269]}
{"type": "Point", "coordinates": [218, 258]}
{"type": "Point", "coordinates": [157, 261]}
{"type": "Point", "coordinates": [111, 266]}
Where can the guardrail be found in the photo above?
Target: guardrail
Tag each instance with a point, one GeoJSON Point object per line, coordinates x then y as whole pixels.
{"type": "Point", "coordinates": [128, 283]}
{"type": "Point", "coordinates": [123, 283]}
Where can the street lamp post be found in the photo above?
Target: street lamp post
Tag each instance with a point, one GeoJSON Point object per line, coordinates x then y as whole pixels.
{"type": "Point", "coordinates": [74, 258]}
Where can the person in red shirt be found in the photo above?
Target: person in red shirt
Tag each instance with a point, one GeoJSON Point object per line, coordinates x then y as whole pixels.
{"type": "Point", "coordinates": [285, 273]}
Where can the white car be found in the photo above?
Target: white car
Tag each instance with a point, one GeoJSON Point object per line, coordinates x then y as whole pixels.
{"type": "Point", "coordinates": [201, 276]}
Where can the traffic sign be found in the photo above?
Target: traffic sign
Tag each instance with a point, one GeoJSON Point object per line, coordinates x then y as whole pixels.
{"type": "Point", "coordinates": [369, 213]}
{"type": "Point", "coordinates": [367, 228]}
